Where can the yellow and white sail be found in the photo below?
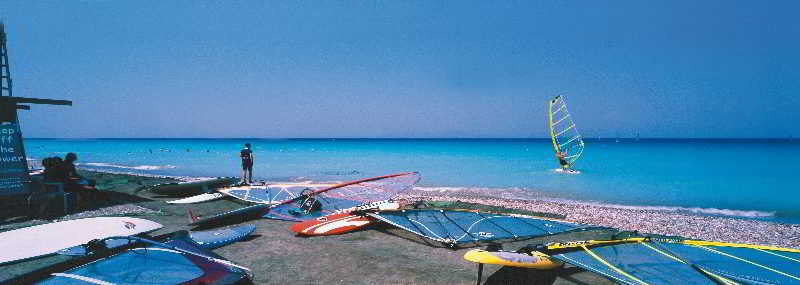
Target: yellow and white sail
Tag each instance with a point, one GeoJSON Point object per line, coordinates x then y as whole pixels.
{"type": "Point", "coordinates": [566, 138]}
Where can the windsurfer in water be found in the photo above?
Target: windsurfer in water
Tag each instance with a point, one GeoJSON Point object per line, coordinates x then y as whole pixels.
{"type": "Point", "coordinates": [247, 164]}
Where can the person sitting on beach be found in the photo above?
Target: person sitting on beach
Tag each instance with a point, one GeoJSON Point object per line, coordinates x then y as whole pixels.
{"type": "Point", "coordinates": [53, 170]}
{"type": "Point", "coordinates": [247, 164]}
{"type": "Point", "coordinates": [69, 166]}
{"type": "Point", "coordinates": [75, 182]}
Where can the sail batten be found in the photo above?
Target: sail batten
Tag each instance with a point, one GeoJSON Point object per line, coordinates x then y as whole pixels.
{"type": "Point", "coordinates": [561, 120]}
{"type": "Point", "coordinates": [569, 141]}
{"type": "Point", "coordinates": [460, 228]}
{"type": "Point", "coordinates": [566, 130]}
{"type": "Point", "coordinates": [657, 260]}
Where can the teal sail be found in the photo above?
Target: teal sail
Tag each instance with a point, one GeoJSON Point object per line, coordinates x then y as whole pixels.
{"type": "Point", "coordinates": [460, 227]}
{"type": "Point", "coordinates": [177, 261]}
{"type": "Point", "coordinates": [640, 261]}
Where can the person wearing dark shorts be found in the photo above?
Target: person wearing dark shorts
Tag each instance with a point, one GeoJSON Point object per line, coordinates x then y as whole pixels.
{"type": "Point", "coordinates": [247, 164]}
{"type": "Point", "coordinates": [562, 159]}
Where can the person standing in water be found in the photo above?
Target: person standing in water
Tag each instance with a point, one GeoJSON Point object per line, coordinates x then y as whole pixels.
{"type": "Point", "coordinates": [247, 164]}
{"type": "Point", "coordinates": [562, 159]}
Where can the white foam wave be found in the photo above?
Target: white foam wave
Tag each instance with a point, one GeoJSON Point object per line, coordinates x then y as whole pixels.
{"type": "Point", "coordinates": [130, 172]}
{"type": "Point", "coordinates": [138, 167]}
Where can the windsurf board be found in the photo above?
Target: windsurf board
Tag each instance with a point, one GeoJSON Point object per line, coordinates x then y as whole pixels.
{"type": "Point", "coordinates": [536, 260]}
{"type": "Point", "coordinates": [237, 215]}
{"type": "Point", "coordinates": [36, 241]}
{"type": "Point", "coordinates": [205, 197]}
{"type": "Point", "coordinates": [339, 223]}
{"type": "Point", "coordinates": [192, 187]}
{"type": "Point", "coordinates": [211, 239]}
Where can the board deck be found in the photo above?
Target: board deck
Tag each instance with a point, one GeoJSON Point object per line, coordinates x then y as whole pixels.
{"type": "Point", "coordinates": [338, 223]}
{"type": "Point", "coordinates": [211, 239]}
{"type": "Point", "coordinates": [333, 224]}
{"type": "Point", "coordinates": [237, 215]}
{"type": "Point", "coordinates": [192, 187]}
{"type": "Point", "coordinates": [567, 171]}
{"type": "Point", "coordinates": [41, 240]}
{"type": "Point", "coordinates": [205, 197]}
{"type": "Point", "coordinates": [534, 260]}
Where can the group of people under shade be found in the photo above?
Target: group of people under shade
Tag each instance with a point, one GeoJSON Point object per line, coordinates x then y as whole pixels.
{"type": "Point", "coordinates": [63, 172]}
{"type": "Point", "coordinates": [57, 170]}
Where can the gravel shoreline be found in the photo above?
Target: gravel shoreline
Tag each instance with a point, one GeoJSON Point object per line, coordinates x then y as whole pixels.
{"type": "Point", "coordinates": [653, 221]}
{"type": "Point", "coordinates": [277, 256]}
{"type": "Point", "coordinates": [662, 222]}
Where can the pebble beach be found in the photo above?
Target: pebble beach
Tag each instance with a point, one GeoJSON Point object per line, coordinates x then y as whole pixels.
{"type": "Point", "coordinates": [277, 256]}
{"type": "Point", "coordinates": [687, 225]}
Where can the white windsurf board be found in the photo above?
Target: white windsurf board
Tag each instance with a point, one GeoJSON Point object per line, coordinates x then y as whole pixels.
{"type": "Point", "coordinates": [46, 239]}
{"type": "Point", "coordinates": [205, 197]}
{"type": "Point", "coordinates": [567, 171]}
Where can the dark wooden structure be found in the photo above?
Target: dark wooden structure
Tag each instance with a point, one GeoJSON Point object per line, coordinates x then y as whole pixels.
{"type": "Point", "coordinates": [19, 193]}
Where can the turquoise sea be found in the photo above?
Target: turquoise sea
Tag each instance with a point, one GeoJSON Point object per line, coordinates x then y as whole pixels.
{"type": "Point", "coordinates": [745, 178]}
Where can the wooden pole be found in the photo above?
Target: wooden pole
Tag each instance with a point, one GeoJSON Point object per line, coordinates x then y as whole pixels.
{"type": "Point", "coordinates": [480, 272]}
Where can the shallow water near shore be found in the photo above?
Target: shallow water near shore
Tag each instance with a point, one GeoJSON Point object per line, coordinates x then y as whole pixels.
{"type": "Point", "coordinates": [746, 178]}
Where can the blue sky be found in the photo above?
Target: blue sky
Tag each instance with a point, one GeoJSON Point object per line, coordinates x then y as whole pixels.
{"type": "Point", "coordinates": [405, 68]}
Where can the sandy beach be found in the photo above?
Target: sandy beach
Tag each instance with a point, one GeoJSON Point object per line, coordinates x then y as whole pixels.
{"type": "Point", "coordinates": [383, 255]}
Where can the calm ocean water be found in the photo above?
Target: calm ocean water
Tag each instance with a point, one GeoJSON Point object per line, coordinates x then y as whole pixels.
{"type": "Point", "coordinates": [749, 178]}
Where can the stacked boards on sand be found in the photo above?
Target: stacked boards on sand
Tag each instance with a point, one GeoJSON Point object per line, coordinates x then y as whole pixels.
{"type": "Point", "coordinates": [192, 187]}
{"type": "Point", "coordinates": [41, 240]}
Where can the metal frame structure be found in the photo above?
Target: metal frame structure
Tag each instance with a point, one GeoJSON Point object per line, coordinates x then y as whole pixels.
{"type": "Point", "coordinates": [13, 172]}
